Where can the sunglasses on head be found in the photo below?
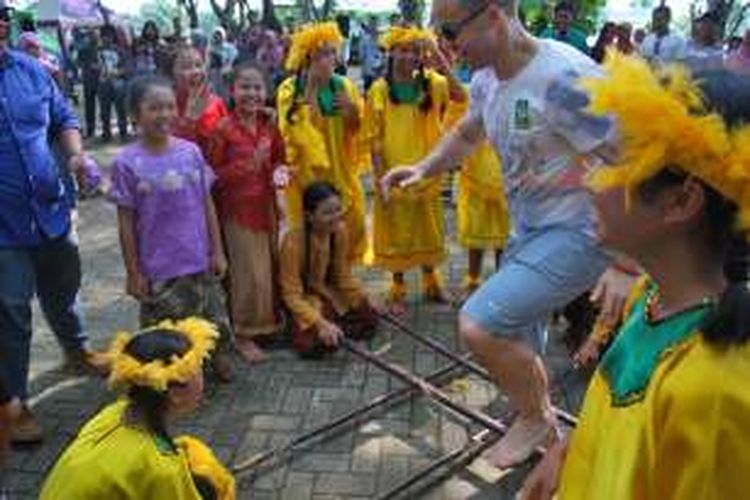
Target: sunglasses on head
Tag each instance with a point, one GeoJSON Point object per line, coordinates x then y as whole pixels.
{"type": "Point", "coordinates": [452, 30]}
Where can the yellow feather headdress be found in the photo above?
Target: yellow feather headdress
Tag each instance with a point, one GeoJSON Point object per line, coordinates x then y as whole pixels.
{"type": "Point", "coordinates": [128, 371]}
{"type": "Point", "coordinates": [310, 38]}
{"type": "Point", "coordinates": [662, 122]}
{"type": "Point", "coordinates": [398, 35]}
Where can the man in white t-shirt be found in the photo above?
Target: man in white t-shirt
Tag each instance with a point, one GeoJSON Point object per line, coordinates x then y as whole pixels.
{"type": "Point", "coordinates": [704, 52]}
{"type": "Point", "coordinates": [662, 46]}
{"type": "Point", "coordinates": [524, 100]}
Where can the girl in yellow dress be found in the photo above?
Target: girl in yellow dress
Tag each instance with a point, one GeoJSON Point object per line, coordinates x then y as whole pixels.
{"type": "Point", "coordinates": [482, 218]}
{"type": "Point", "coordinates": [320, 117]}
{"type": "Point", "coordinates": [406, 112]}
{"type": "Point", "coordinates": [481, 212]}
{"type": "Point", "coordinates": [667, 413]}
{"type": "Point", "coordinates": [126, 451]}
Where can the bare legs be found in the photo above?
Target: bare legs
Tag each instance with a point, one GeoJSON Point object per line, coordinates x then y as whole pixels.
{"type": "Point", "coordinates": [520, 373]}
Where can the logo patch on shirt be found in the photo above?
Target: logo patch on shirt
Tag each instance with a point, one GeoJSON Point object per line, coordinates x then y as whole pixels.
{"type": "Point", "coordinates": [522, 115]}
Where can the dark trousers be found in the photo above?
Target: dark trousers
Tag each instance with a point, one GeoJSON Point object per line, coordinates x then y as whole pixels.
{"type": "Point", "coordinates": [90, 93]}
{"type": "Point", "coordinates": [112, 93]}
{"type": "Point", "coordinates": [52, 271]}
{"type": "Point", "coordinates": [359, 323]}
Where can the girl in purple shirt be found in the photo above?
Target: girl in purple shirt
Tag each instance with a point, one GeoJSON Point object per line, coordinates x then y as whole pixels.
{"type": "Point", "coordinates": [169, 232]}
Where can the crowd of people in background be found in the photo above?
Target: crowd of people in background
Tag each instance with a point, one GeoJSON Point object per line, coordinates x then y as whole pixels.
{"type": "Point", "coordinates": [104, 58]}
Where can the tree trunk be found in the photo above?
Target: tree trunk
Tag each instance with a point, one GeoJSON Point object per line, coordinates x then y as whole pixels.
{"type": "Point", "coordinates": [269, 19]}
{"type": "Point", "coordinates": [327, 10]}
{"type": "Point", "coordinates": [191, 9]}
{"type": "Point", "coordinates": [225, 14]}
{"type": "Point", "coordinates": [721, 10]}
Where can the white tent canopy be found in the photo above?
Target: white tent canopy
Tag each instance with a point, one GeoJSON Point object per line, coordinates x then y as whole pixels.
{"type": "Point", "coordinates": [71, 12]}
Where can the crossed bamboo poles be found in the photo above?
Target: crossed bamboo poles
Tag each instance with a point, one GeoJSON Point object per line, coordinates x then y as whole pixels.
{"type": "Point", "coordinates": [492, 428]}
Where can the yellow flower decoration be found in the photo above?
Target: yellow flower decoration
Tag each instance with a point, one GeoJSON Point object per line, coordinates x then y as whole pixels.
{"type": "Point", "coordinates": [203, 462]}
{"type": "Point", "coordinates": [310, 38]}
{"type": "Point", "coordinates": [398, 35]}
{"type": "Point", "coordinates": [128, 371]}
{"type": "Point", "coordinates": [662, 122]}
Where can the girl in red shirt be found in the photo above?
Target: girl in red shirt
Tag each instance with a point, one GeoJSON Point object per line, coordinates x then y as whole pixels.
{"type": "Point", "coordinates": [246, 151]}
{"type": "Point", "coordinates": [199, 110]}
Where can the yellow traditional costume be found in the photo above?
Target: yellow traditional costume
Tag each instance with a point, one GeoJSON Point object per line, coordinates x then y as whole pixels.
{"type": "Point", "coordinates": [319, 147]}
{"type": "Point", "coordinates": [482, 216]}
{"type": "Point", "coordinates": [409, 229]}
{"type": "Point", "coordinates": [115, 460]}
{"type": "Point", "coordinates": [666, 413]}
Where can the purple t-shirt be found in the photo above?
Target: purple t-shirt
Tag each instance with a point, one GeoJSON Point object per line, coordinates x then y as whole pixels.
{"type": "Point", "coordinates": [167, 192]}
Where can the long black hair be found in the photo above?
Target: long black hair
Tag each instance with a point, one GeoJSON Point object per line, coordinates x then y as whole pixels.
{"type": "Point", "coordinates": [153, 345]}
{"type": "Point", "coordinates": [298, 97]}
{"type": "Point", "coordinates": [423, 85]}
{"type": "Point", "coordinates": [314, 194]}
{"type": "Point", "coordinates": [727, 94]}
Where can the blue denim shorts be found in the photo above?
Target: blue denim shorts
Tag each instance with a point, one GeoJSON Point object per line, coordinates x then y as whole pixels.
{"type": "Point", "coordinates": [541, 272]}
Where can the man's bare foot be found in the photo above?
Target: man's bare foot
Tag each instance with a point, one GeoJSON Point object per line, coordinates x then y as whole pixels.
{"type": "Point", "coordinates": [523, 437]}
{"type": "Point", "coordinates": [250, 351]}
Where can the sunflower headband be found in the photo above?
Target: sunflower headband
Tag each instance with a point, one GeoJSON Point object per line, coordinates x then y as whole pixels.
{"type": "Point", "coordinates": [128, 371]}
{"type": "Point", "coordinates": [310, 38]}
{"type": "Point", "coordinates": [398, 35]}
{"type": "Point", "coordinates": [662, 121]}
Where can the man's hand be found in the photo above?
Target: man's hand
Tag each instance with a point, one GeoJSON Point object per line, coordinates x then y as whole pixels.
{"type": "Point", "coordinates": [611, 292]}
{"type": "Point", "coordinates": [399, 177]}
{"type": "Point", "coordinates": [77, 166]}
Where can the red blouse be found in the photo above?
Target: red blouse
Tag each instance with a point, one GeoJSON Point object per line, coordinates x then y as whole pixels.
{"type": "Point", "coordinates": [199, 131]}
{"type": "Point", "coordinates": [244, 161]}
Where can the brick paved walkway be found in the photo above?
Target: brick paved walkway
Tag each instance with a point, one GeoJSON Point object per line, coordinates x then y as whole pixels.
{"type": "Point", "coordinates": [271, 403]}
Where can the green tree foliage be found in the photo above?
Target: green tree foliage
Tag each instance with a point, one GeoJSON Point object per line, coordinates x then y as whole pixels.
{"type": "Point", "coordinates": [190, 7]}
{"type": "Point", "coordinates": [539, 13]}
{"type": "Point", "coordinates": [160, 12]}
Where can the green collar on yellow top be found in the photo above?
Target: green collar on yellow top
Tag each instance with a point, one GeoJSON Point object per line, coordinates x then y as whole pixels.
{"type": "Point", "coordinates": [406, 92]}
{"type": "Point", "coordinates": [640, 345]}
{"type": "Point", "coordinates": [327, 95]}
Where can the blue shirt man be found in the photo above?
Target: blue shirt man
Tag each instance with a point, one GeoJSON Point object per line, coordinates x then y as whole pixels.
{"type": "Point", "coordinates": [38, 254]}
{"type": "Point", "coordinates": [33, 201]}
{"type": "Point", "coordinates": [370, 53]}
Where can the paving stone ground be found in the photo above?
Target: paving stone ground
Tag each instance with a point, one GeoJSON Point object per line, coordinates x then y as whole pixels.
{"type": "Point", "coordinates": [270, 404]}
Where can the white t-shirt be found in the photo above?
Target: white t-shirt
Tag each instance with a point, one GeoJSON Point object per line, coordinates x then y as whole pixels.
{"type": "Point", "coordinates": [699, 58]}
{"type": "Point", "coordinates": [668, 48]}
{"type": "Point", "coordinates": [536, 122]}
